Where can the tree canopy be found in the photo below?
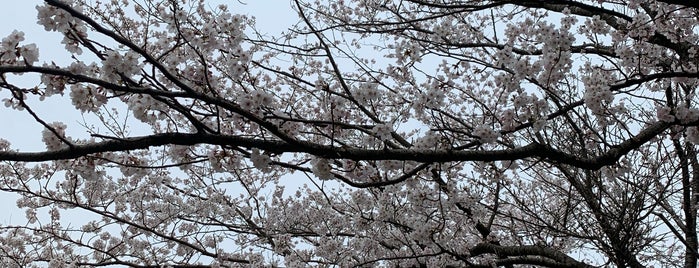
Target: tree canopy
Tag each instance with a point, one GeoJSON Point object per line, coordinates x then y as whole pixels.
{"type": "Point", "coordinates": [393, 133]}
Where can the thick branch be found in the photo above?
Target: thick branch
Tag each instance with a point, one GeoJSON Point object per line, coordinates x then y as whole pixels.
{"type": "Point", "coordinates": [533, 150]}
{"type": "Point", "coordinates": [559, 259]}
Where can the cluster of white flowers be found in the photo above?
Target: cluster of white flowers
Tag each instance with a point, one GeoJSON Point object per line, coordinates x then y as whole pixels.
{"type": "Point", "coordinates": [442, 31]}
{"type": "Point", "coordinates": [55, 19]}
{"type": "Point", "coordinates": [52, 141]}
{"type": "Point", "coordinates": [686, 115]}
{"type": "Point", "coordinates": [664, 114]}
{"type": "Point", "coordinates": [523, 100]}
{"type": "Point", "coordinates": [58, 20]}
{"type": "Point", "coordinates": [321, 168]}
{"type": "Point", "coordinates": [255, 100]}
{"type": "Point", "coordinates": [10, 50]}
{"type": "Point", "coordinates": [210, 32]}
{"type": "Point", "coordinates": [367, 93]}
{"type": "Point", "coordinates": [115, 64]}
{"type": "Point", "coordinates": [260, 161]}
{"type": "Point", "coordinates": [86, 169]}
{"type": "Point", "coordinates": [539, 124]}
{"type": "Point", "coordinates": [30, 53]}
{"type": "Point", "coordinates": [91, 227]}
{"type": "Point", "coordinates": [505, 56]}
{"type": "Point", "coordinates": [10, 42]}
{"type": "Point", "coordinates": [597, 91]}
{"type": "Point", "coordinates": [14, 103]}
{"type": "Point", "coordinates": [30, 214]}
{"type": "Point", "coordinates": [360, 173]}
{"type": "Point", "coordinates": [4, 145]}
{"type": "Point", "coordinates": [407, 51]}
{"type": "Point", "coordinates": [434, 99]}
{"type": "Point", "coordinates": [221, 31]}
{"type": "Point", "coordinates": [180, 154]}
{"type": "Point", "coordinates": [627, 55]}
{"type": "Point", "coordinates": [507, 119]}
{"type": "Point", "coordinates": [290, 128]}
{"type": "Point", "coordinates": [208, 41]}
{"type": "Point", "coordinates": [214, 157]}
{"type": "Point", "coordinates": [429, 141]}
{"type": "Point", "coordinates": [130, 165]}
{"type": "Point", "coordinates": [86, 98]}
{"type": "Point", "coordinates": [595, 25]}
{"type": "Point", "coordinates": [526, 108]}
{"type": "Point", "coordinates": [220, 160]}
{"type": "Point", "coordinates": [236, 70]}
{"type": "Point", "coordinates": [71, 44]}
{"type": "Point", "coordinates": [555, 60]}
{"type": "Point", "coordinates": [692, 135]}
{"type": "Point", "coordinates": [383, 131]}
{"type": "Point", "coordinates": [568, 20]}
{"type": "Point", "coordinates": [141, 105]}
{"type": "Point", "coordinates": [80, 67]}
{"type": "Point", "coordinates": [641, 26]}
{"type": "Point", "coordinates": [53, 84]}
{"type": "Point", "coordinates": [486, 134]}
{"type": "Point", "coordinates": [261, 98]}
{"type": "Point", "coordinates": [237, 64]}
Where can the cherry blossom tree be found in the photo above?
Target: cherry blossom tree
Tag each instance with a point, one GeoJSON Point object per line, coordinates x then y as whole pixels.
{"type": "Point", "coordinates": [372, 133]}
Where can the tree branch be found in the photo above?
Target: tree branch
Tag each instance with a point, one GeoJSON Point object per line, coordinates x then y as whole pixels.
{"type": "Point", "coordinates": [559, 259]}
{"type": "Point", "coordinates": [532, 150]}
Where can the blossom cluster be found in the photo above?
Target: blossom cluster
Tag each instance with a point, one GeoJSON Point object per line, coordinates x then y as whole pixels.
{"type": "Point", "coordinates": [87, 98]}
{"type": "Point", "coordinates": [56, 19]}
{"type": "Point", "coordinates": [4, 145]}
{"type": "Point", "coordinates": [129, 165]}
{"type": "Point", "coordinates": [86, 169]}
{"type": "Point", "coordinates": [59, 20]}
{"type": "Point", "coordinates": [383, 131]}
{"type": "Point", "coordinates": [486, 134]}
{"type": "Point", "coordinates": [221, 161]}
{"type": "Point", "coordinates": [686, 115]}
{"type": "Point", "coordinates": [407, 51]}
{"type": "Point", "coordinates": [664, 114]}
{"type": "Point", "coordinates": [260, 161]}
{"type": "Point", "coordinates": [53, 84]}
{"type": "Point", "coordinates": [10, 51]}
{"type": "Point", "coordinates": [146, 108]}
{"type": "Point", "coordinates": [367, 93]}
{"type": "Point", "coordinates": [15, 103]}
{"type": "Point", "coordinates": [692, 135]}
{"type": "Point", "coordinates": [256, 100]}
{"type": "Point", "coordinates": [321, 168]}
{"type": "Point", "coordinates": [116, 65]}
{"type": "Point", "coordinates": [594, 26]}
{"type": "Point", "coordinates": [54, 138]}
{"type": "Point", "coordinates": [434, 98]}
{"type": "Point", "coordinates": [598, 94]}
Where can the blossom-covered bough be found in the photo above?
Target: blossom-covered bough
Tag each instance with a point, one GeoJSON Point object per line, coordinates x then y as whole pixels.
{"type": "Point", "coordinates": [408, 133]}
